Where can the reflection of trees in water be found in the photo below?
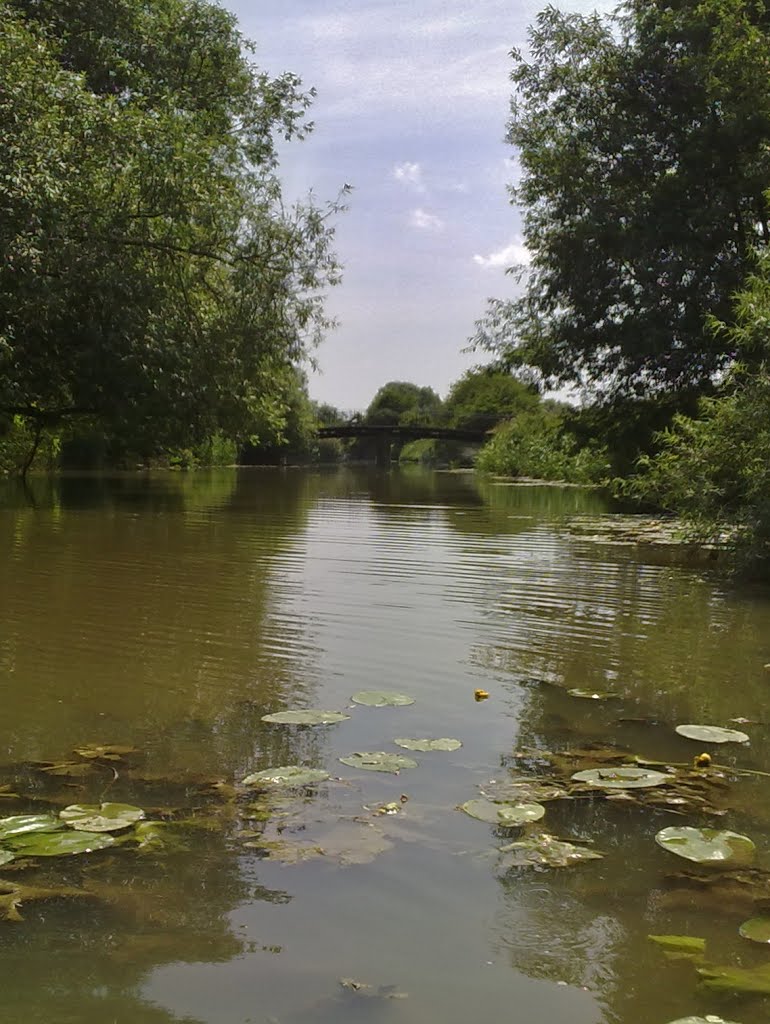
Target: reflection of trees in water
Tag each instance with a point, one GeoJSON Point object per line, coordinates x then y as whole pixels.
{"type": "Point", "coordinates": [155, 619]}
{"type": "Point", "coordinates": [86, 964]}
{"type": "Point", "coordinates": [670, 640]}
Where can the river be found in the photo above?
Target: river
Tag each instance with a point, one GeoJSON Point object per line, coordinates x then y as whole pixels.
{"type": "Point", "coordinates": [169, 612]}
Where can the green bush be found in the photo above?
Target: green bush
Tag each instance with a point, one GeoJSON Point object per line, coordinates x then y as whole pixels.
{"type": "Point", "coordinates": [18, 443]}
{"type": "Point", "coordinates": [713, 470]}
{"type": "Point", "coordinates": [535, 444]}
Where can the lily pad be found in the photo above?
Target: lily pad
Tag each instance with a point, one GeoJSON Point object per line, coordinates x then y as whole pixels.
{"type": "Point", "coordinates": [306, 717]}
{"type": "Point", "coordinates": [381, 699]}
{"type": "Point", "coordinates": [737, 979]}
{"type": "Point", "coordinates": [101, 817]}
{"type": "Point", "coordinates": [288, 775]}
{"type": "Point", "coordinates": [622, 778]}
{"type": "Point", "coordinates": [58, 844]}
{"type": "Point", "coordinates": [105, 751]}
{"type": "Point", "coordinates": [378, 761]}
{"type": "Point", "coordinates": [158, 837]}
{"type": "Point", "coordinates": [707, 845]}
{"type": "Point", "coordinates": [545, 850]}
{"type": "Point", "coordinates": [712, 734]}
{"type": "Point", "coordinates": [756, 928]}
{"type": "Point", "coordinates": [502, 814]}
{"type": "Point", "coordinates": [22, 824]}
{"type": "Point", "coordinates": [592, 694]}
{"type": "Point", "coordinates": [710, 1018]}
{"type": "Point", "coordinates": [681, 947]}
{"type": "Point", "coordinates": [440, 744]}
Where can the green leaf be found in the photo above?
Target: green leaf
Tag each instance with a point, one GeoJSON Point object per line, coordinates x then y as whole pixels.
{"type": "Point", "coordinates": [684, 943]}
{"type": "Point", "coordinates": [756, 928]}
{"type": "Point", "coordinates": [378, 761]}
{"type": "Point", "coordinates": [158, 837]}
{"type": "Point", "coordinates": [381, 698]}
{"type": "Point", "coordinates": [592, 694]}
{"type": "Point", "coordinates": [502, 814]}
{"type": "Point", "coordinates": [681, 947]}
{"type": "Point", "coordinates": [105, 752]}
{"type": "Point", "coordinates": [622, 778]}
{"type": "Point", "coordinates": [547, 851]}
{"type": "Point", "coordinates": [737, 979]}
{"type": "Point", "coordinates": [21, 824]}
{"type": "Point", "coordinates": [107, 817]}
{"type": "Point", "coordinates": [6, 856]}
{"type": "Point", "coordinates": [712, 734]}
{"type": "Point", "coordinates": [288, 775]}
{"type": "Point", "coordinates": [306, 717]}
{"type": "Point", "coordinates": [707, 845]}
{"type": "Point", "coordinates": [710, 1018]}
{"type": "Point", "coordinates": [440, 744]}
{"type": "Point", "coordinates": [59, 844]}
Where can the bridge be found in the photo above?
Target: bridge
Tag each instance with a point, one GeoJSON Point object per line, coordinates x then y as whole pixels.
{"type": "Point", "coordinates": [386, 435]}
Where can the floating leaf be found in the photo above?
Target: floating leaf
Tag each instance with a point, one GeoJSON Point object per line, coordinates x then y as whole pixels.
{"type": "Point", "coordinates": [378, 761]}
{"type": "Point", "coordinates": [547, 851]}
{"type": "Point", "coordinates": [679, 943]}
{"type": "Point", "coordinates": [101, 817]}
{"type": "Point", "coordinates": [288, 775]}
{"type": "Point", "coordinates": [6, 856]}
{"type": "Point", "coordinates": [73, 769]}
{"type": "Point", "coordinates": [502, 814]}
{"type": "Point", "coordinates": [58, 844]}
{"type": "Point", "coordinates": [105, 751]}
{"type": "Point", "coordinates": [712, 734]}
{"type": "Point", "coordinates": [756, 928]}
{"type": "Point", "coordinates": [381, 698]}
{"type": "Point", "coordinates": [681, 947]}
{"type": "Point", "coordinates": [622, 778]}
{"type": "Point", "coordinates": [524, 791]}
{"type": "Point", "coordinates": [710, 1018]}
{"type": "Point", "coordinates": [707, 845]}
{"type": "Point", "coordinates": [441, 744]}
{"type": "Point", "coordinates": [592, 694]}
{"type": "Point", "coordinates": [737, 979]}
{"type": "Point", "coordinates": [158, 837]}
{"type": "Point", "coordinates": [21, 824]}
{"type": "Point", "coordinates": [306, 717]}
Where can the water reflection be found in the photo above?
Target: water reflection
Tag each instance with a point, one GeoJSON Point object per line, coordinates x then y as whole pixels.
{"type": "Point", "coordinates": [173, 611]}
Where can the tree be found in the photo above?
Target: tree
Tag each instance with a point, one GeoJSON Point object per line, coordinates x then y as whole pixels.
{"type": "Point", "coordinates": [484, 396]}
{"type": "Point", "coordinates": [151, 278]}
{"type": "Point", "coordinates": [644, 141]}
{"type": "Point", "coordinates": [402, 403]}
{"type": "Point", "coordinates": [713, 469]}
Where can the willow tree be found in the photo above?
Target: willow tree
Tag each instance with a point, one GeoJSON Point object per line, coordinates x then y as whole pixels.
{"type": "Point", "coordinates": [644, 144]}
{"type": "Point", "coordinates": [151, 277]}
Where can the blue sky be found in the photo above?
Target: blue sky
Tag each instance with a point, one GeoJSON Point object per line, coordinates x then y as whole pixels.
{"type": "Point", "coordinates": [411, 110]}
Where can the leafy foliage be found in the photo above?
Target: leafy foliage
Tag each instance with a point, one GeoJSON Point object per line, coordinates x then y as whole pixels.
{"type": "Point", "coordinates": [535, 444]}
{"type": "Point", "coordinates": [713, 469]}
{"type": "Point", "coordinates": [485, 396]}
{"type": "Point", "coordinates": [401, 403]}
{"type": "Point", "coordinates": [151, 278]}
{"type": "Point", "coordinates": [643, 141]}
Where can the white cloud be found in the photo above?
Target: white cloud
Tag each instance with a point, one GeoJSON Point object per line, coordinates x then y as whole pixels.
{"type": "Point", "coordinates": [425, 221]}
{"type": "Point", "coordinates": [409, 174]}
{"type": "Point", "coordinates": [515, 253]}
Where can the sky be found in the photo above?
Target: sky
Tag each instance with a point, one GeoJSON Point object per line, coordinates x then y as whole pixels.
{"type": "Point", "coordinates": [411, 108]}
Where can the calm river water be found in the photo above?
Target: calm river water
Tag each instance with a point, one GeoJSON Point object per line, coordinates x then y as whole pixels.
{"type": "Point", "coordinates": [169, 613]}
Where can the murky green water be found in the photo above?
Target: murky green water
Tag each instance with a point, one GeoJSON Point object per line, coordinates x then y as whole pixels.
{"type": "Point", "coordinates": [171, 612]}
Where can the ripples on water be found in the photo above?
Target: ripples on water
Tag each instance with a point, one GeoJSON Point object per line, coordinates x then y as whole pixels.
{"type": "Point", "coordinates": [172, 612]}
